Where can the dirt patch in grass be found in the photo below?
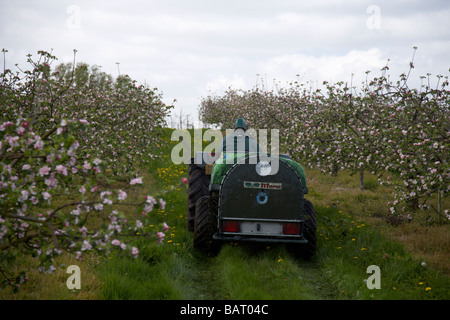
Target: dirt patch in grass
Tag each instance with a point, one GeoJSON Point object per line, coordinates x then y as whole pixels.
{"type": "Point", "coordinates": [431, 243]}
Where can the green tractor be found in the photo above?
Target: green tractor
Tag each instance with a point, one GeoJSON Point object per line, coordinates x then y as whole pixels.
{"type": "Point", "coordinates": [242, 194]}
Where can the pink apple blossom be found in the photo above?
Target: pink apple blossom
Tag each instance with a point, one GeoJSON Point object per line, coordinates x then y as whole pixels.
{"type": "Point", "coordinates": [135, 252]}
{"type": "Point", "coordinates": [122, 195]}
{"type": "Point", "coordinates": [44, 171]}
{"type": "Point", "coordinates": [52, 182]}
{"type": "Point", "coordinates": [46, 195]}
{"type": "Point", "coordinates": [162, 204]}
{"type": "Point", "coordinates": [160, 236]}
{"type": "Point", "coordinates": [136, 181]}
{"type": "Point", "coordinates": [39, 144]}
{"type": "Point", "coordinates": [86, 246]}
{"type": "Point", "coordinates": [61, 169]}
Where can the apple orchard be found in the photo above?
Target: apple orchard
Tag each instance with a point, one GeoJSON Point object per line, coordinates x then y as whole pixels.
{"type": "Point", "coordinates": [66, 130]}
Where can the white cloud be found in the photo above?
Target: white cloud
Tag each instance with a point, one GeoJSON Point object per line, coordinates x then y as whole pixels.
{"type": "Point", "coordinates": [331, 68]}
{"type": "Point", "coordinates": [222, 83]}
{"type": "Point", "coordinates": [189, 48]}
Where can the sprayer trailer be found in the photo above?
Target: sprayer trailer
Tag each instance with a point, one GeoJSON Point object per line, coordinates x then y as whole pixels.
{"type": "Point", "coordinates": [240, 198]}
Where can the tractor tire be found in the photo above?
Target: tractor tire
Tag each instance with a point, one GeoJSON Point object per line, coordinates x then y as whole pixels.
{"type": "Point", "coordinates": [307, 251]}
{"type": "Point", "coordinates": [205, 225]}
{"type": "Point", "coordinates": [198, 187]}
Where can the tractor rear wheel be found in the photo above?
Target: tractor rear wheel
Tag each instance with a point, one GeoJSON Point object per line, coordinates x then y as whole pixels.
{"type": "Point", "coordinates": [198, 187]}
{"type": "Point", "coordinates": [205, 225]}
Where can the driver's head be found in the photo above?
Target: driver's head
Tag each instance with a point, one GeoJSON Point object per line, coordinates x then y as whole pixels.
{"type": "Point", "coordinates": [240, 124]}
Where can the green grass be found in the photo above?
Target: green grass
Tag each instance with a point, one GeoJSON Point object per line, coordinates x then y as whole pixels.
{"type": "Point", "coordinates": [266, 273]}
{"type": "Point", "coordinates": [348, 247]}
{"type": "Point", "coordinates": [137, 279]}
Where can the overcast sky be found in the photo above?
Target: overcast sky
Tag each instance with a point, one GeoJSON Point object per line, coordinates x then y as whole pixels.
{"type": "Point", "coordinates": [191, 48]}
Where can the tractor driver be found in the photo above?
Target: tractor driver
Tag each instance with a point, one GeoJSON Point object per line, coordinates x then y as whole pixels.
{"type": "Point", "coordinates": [240, 140]}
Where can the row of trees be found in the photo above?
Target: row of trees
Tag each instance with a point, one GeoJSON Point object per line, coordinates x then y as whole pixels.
{"type": "Point", "coordinates": [399, 133]}
{"type": "Point", "coordinates": [64, 132]}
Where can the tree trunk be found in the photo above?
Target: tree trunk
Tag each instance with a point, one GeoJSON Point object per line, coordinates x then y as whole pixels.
{"type": "Point", "coordinates": [361, 180]}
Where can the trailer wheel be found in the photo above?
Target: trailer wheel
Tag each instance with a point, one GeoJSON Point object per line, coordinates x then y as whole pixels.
{"type": "Point", "coordinates": [197, 188]}
{"type": "Point", "coordinates": [309, 232]}
{"type": "Point", "coordinates": [205, 225]}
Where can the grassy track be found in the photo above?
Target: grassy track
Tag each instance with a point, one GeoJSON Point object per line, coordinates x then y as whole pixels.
{"type": "Point", "coordinates": [351, 237]}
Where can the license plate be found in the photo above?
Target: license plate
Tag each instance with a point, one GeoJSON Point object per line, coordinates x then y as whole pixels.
{"type": "Point", "coordinates": [261, 228]}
